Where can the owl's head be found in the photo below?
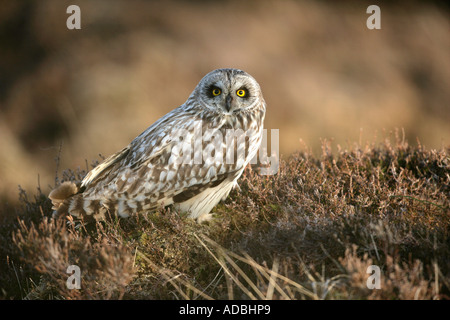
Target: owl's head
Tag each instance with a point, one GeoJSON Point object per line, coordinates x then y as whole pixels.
{"type": "Point", "coordinates": [229, 91]}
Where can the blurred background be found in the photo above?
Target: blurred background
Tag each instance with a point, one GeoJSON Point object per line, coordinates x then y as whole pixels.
{"type": "Point", "coordinates": [75, 94]}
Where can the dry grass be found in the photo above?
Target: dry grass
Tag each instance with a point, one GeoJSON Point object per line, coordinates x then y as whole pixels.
{"type": "Point", "coordinates": [309, 232]}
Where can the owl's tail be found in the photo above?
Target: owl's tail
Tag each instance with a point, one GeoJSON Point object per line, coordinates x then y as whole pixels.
{"type": "Point", "coordinates": [59, 197]}
{"type": "Point", "coordinates": [68, 200]}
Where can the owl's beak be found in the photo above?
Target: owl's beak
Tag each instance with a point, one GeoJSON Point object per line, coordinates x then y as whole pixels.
{"type": "Point", "coordinates": [228, 102]}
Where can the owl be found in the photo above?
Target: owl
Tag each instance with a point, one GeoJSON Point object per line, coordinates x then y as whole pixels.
{"type": "Point", "coordinates": [190, 158]}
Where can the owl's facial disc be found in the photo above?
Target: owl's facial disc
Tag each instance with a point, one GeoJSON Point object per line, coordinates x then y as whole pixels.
{"type": "Point", "coordinates": [228, 91]}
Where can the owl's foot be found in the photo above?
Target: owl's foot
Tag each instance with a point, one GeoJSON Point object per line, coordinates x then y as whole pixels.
{"type": "Point", "coordinates": [204, 217]}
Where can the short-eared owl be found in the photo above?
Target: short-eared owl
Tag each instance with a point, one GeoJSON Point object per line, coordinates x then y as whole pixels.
{"type": "Point", "coordinates": [190, 158]}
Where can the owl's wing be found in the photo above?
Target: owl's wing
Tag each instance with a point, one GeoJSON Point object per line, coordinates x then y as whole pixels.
{"type": "Point", "coordinates": [104, 167]}
{"type": "Point", "coordinates": [132, 155]}
{"type": "Point", "coordinates": [166, 170]}
{"type": "Point", "coordinates": [118, 160]}
{"type": "Point", "coordinates": [125, 164]}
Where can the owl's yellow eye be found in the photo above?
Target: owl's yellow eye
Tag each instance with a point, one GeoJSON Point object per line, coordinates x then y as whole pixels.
{"type": "Point", "coordinates": [216, 92]}
{"type": "Point", "coordinates": [241, 93]}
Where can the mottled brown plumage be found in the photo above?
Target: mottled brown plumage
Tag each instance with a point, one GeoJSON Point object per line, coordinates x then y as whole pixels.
{"type": "Point", "coordinates": [190, 158]}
